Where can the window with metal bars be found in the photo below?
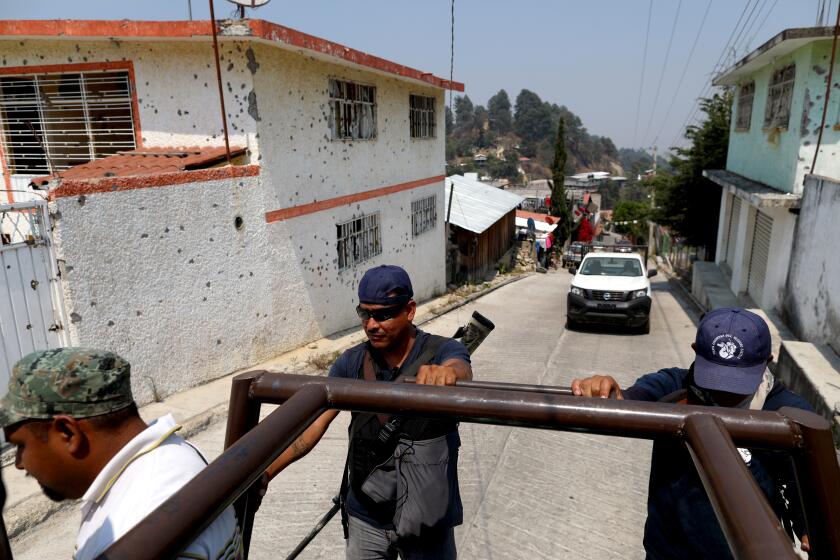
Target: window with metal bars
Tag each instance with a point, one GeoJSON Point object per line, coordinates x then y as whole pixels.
{"type": "Point", "coordinates": [743, 114]}
{"type": "Point", "coordinates": [359, 239]}
{"type": "Point", "coordinates": [421, 116]}
{"type": "Point", "coordinates": [423, 215]}
{"type": "Point", "coordinates": [779, 97]}
{"type": "Point", "coordinates": [352, 110]}
{"type": "Point", "coordinates": [54, 121]}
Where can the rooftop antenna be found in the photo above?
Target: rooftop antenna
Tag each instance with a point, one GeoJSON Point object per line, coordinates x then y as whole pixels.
{"type": "Point", "coordinates": [242, 4]}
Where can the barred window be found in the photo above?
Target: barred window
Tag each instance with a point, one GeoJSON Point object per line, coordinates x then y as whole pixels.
{"type": "Point", "coordinates": [423, 215]}
{"type": "Point", "coordinates": [421, 116]}
{"type": "Point", "coordinates": [352, 110]}
{"type": "Point", "coordinates": [779, 97]}
{"type": "Point", "coordinates": [359, 239]}
{"type": "Point", "coordinates": [62, 120]}
{"type": "Point", "coordinates": [743, 116]}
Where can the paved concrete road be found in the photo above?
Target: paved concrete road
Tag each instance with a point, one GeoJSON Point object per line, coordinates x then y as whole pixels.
{"type": "Point", "coordinates": [527, 493]}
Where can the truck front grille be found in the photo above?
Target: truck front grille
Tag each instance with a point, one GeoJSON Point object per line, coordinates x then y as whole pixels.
{"type": "Point", "coordinates": [607, 296]}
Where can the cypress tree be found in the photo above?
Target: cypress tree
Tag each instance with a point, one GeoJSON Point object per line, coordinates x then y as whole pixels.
{"type": "Point", "coordinates": [559, 207]}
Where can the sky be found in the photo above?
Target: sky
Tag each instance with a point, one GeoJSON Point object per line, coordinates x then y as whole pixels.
{"type": "Point", "coordinates": [584, 54]}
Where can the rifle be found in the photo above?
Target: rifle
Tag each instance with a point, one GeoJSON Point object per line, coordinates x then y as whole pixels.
{"type": "Point", "coordinates": [472, 335]}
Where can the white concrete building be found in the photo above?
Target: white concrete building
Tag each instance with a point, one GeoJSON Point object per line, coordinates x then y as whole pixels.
{"type": "Point", "coordinates": [204, 271]}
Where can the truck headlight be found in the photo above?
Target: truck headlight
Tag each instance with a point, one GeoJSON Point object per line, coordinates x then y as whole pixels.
{"type": "Point", "coordinates": [640, 293]}
{"type": "Point", "coordinates": [576, 291]}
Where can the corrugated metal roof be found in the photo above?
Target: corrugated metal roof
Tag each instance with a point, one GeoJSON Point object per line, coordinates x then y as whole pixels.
{"type": "Point", "coordinates": [476, 206]}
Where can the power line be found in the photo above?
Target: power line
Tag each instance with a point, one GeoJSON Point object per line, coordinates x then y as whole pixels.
{"type": "Point", "coordinates": [722, 60]}
{"type": "Point", "coordinates": [706, 87]}
{"type": "Point", "coordinates": [642, 78]}
{"type": "Point", "coordinates": [685, 69]}
{"type": "Point", "coordinates": [746, 44]}
{"type": "Point", "coordinates": [735, 45]}
{"type": "Point", "coordinates": [662, 73]}
{"type": "Point", "coordinates": [761, 25]}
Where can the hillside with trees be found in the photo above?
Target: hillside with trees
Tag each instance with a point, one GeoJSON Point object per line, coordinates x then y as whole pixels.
{"type": "Point", "coordinates": [505, 131]}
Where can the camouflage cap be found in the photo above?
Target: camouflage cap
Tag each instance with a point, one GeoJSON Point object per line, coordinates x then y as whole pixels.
{"type": "Point", "coordinates": [79, 382]}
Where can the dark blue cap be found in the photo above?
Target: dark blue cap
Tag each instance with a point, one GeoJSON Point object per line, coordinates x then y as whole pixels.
{"type": "Point", "coordinates": [732, 347]}
{"type": "Point", "coordinates": [385, 285]}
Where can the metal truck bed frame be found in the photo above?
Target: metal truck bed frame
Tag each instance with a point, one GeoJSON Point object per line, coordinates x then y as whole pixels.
{"type": "Point", "coordinates": [710, 434]}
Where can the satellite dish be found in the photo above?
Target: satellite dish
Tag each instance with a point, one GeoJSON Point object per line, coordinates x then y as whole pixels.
{"type": "Point", "coordinates": [242, 4]}
{"type": "Point", "coordinates": [250, 3]}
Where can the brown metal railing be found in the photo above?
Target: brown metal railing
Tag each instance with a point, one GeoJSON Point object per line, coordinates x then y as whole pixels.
{"type": "Point", "coordinates": [748, 522]}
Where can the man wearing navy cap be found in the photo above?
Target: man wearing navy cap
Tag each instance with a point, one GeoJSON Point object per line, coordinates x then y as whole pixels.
{"type": "Point", "coordinates": [733, 350]}
{"type": "Point", "coordinates": [400, 491]}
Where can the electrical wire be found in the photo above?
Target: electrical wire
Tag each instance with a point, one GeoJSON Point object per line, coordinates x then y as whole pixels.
{"type": "Point", "coordinates": [685, 70]}
{"type": "Point", "coordinates": [745, 46]}
{"type": "Point", "coordinates": [707, 86]}
{"type": "Point", "coordinates": [662, 73]}
{"type": "Point", "coordinates": [642, 77]}
{"type": "Point", "coordinates": [827, 90]}
{"type": "Point", "coordinates": [744, 30]}
{"type": "Point", "coordinates": [761, 25]}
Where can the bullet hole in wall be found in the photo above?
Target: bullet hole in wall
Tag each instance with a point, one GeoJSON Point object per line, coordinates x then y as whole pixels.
{"type": "Point", "coordinates": [238, 222]}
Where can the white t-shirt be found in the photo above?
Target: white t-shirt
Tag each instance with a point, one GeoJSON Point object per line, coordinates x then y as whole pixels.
{"type": "Point", "coordinates": [147, 471]}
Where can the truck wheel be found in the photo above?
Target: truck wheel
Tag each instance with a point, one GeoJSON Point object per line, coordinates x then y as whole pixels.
{"type": "Point", "coordinates": [645, 328]}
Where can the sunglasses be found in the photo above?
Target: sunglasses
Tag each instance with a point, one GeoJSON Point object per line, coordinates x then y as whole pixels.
{"type": "Point", "coordinates": [707, 397]}
{"type": "Point", "coordinates": [379, 315]}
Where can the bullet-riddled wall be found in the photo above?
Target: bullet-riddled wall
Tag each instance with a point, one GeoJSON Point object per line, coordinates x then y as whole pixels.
{"type": "Point", "coordinates": [312, 182]}
{"type": "Point", "coordinates": [158, 271]}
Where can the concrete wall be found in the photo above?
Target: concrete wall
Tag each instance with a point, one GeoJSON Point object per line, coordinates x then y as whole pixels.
{"type": "Point", "coordinates": [162, 276]}
{"type": "Point", "coordinates": [811, 302]}
{"type": "Point", "coordinates": [781, 159]}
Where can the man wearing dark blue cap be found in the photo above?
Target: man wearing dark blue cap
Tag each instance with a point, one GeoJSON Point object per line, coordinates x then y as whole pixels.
{"type": "Point", "coordinates": [733, 349]}
{"type": "Point", "coordinates": [400, 491]}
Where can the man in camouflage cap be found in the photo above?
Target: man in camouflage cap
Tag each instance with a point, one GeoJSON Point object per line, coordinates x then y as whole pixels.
{"type": "Point", "coordinates": [74, 381]}
{"type": "Point", "coordinates": [70, 414]}
{"type": "Point", "coordinates": [67, 391]}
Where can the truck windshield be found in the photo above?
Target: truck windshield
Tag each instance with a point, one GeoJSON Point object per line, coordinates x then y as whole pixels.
{"type": "Point", "coordinates": [611, 266]}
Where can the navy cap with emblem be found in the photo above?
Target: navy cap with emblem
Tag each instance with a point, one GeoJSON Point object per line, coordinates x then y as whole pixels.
{"type": "Point", "coordinates": [385, 285]}
{"type": "Point", "coordinates": [733, 346]}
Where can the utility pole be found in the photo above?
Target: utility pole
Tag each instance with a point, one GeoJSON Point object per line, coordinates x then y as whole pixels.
{"type": "Point", "coordinates": [653, 190]}
{"type": "Point", "coordinates": [654, 160]}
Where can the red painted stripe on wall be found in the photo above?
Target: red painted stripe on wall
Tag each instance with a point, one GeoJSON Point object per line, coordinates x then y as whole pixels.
{"type": "Point", "coordinates": [320, 205]}
{"type": "Point", "coordinates": [117, 184]}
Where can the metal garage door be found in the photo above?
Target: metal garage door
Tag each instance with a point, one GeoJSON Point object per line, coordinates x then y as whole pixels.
{"type": "Point", "coordinates": [30, 301]}
{"type": "Point", "coordinates": [732, 230]}
{"type": "Point", "coordinates": [758, 255]}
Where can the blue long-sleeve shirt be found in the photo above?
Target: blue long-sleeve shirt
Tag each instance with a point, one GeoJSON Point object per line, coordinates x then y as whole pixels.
{"type": "Point", "coordinates": [681, 523]}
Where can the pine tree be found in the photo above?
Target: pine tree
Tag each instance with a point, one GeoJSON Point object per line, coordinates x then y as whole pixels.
{"type": "Point", "coordinates": [498, 108]}
{"type": "Point", "coordinates": [559, 207]}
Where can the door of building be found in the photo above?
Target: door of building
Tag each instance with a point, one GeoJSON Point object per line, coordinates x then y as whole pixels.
{"type": "Point", "coordinates": [762, 231]}
{"type": "Point", "coordinates": [31, 308]}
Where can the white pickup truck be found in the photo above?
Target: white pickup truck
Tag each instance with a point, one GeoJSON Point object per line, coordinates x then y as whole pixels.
{"type": "Point", "coordinates": [610, 288]}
